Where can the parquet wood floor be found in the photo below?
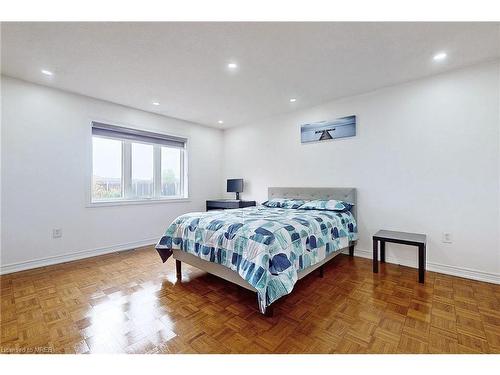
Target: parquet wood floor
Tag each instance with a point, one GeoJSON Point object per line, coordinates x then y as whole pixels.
{"type": "Point", "coordinates": [130, 302]}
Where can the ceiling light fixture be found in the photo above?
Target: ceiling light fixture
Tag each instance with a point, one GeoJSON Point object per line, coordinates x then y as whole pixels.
{"type": "Point", "coordinates": [220, 122]}
{"type": "Point", "coordinates": [232, 65]}
{"type": "Point", "coordinates": [47, 72]}
{"type": "Point", "coordinates": [156, 103]}
{"type": "Point", "coordinates": [293, 100]}
{"type": "Point", "coordinates": [440, 56]}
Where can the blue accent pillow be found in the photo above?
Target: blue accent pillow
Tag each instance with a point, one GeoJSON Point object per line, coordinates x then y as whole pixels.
{"type": "Point", "coordinates": [284, 203]}
{"type": "Point", "coordinates": [327, 205]}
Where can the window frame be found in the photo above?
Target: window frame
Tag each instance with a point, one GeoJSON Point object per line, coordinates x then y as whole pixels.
{"type": "Point", "coordinates": [127, 198]}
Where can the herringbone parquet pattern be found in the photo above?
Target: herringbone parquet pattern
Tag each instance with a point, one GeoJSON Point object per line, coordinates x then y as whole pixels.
{"type": "Point", "coordinates": [130, 302]}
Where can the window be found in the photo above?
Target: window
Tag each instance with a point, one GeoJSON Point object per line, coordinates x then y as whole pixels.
{"type": "Point", "coordinates": [133, 165]}
{"type": "Point", "coordinates": [107, 168]}
{"type": "Point", "coordinates": [142, 170]}
{"type": "Point", "coordinates": [171, 166]}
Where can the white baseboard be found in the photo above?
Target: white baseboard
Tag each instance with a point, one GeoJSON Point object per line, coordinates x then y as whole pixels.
{"type": "Point", "coordinates": [431, 266]}
{"type": "Point", "coordinates": [440, 268]}
{"type": "Point", "coordinates": [42, 262]}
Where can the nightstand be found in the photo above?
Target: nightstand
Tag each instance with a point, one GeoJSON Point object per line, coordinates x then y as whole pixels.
{"type": "Point", "coordinates": [227, 204]}
{"type": "Point", "coordinates": [412, 239]}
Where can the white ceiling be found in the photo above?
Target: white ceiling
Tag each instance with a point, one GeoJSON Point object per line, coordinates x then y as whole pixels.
{"type": "Point", "coordinates": [184, 65]}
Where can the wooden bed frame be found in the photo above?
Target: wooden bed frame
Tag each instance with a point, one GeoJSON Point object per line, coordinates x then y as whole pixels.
{"type": "Point", "coordinates": [344, 194]}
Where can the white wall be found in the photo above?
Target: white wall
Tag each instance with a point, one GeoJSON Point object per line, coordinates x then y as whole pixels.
{"type": "Point", "coordinates": [45, 172]}
{"type": "Point", "coordinates": [425, 159]}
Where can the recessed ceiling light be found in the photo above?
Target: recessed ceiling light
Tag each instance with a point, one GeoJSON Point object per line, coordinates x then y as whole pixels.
{"type": "Point", "coordinates": [220, 122]}
{"type": "Point", "coordinates": [47, 72]}
{"type": "Point", "coordinates": [440, 56]}
{"type": "Point", "coordinates": [156, 103]}
{"type": "Point", "coordinates": [293, 100]}
{"type": "Point", "coordinates": [232, 65]}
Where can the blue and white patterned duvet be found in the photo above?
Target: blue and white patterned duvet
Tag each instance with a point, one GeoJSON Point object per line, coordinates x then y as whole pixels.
{"type": "Point", "coordinates": [265, 246]}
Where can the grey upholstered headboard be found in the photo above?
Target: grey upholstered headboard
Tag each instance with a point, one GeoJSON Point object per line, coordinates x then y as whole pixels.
{"type": "Point", "coordinates": [309, 193]}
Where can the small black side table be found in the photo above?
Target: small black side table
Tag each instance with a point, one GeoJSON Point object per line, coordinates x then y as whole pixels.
{"type": "Point", "coordinates": [227, 204]}
{"type": "Point", "coordinates": [412, 239]}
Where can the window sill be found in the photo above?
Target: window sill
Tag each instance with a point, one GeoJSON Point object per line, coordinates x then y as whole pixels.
{"type": "Point", "coordinates": [135, 202]}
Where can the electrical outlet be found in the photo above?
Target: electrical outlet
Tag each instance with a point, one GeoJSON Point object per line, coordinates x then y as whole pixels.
{"type": "Point", "coordinates": [56, 233]}
{"type": "Point", "coordinates": [447, 237]}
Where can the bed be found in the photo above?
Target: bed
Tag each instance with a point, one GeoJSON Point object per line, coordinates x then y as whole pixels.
{"type": "Point", "coordinates": [266, 250]}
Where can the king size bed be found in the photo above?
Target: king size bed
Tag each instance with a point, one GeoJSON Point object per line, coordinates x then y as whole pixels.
{"type": "Point", "coordinates": [266, 248]}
